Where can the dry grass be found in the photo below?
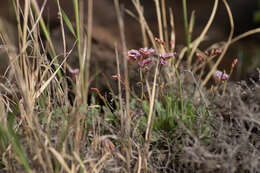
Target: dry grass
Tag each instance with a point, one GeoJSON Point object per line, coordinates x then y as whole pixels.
{"type": "Point", "coordinates": [50, 122]}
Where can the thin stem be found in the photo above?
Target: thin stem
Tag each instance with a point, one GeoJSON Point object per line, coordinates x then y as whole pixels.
{"type": "Point", "coordinates": [186, 26]}
{"type": "Point", "coordinates": [229, 41]}
{"type": "Point", "coordinates": [159, 19]}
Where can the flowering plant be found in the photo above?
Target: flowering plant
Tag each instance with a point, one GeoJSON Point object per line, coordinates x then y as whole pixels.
{"type": "Point", "coordinates": [143, 56]}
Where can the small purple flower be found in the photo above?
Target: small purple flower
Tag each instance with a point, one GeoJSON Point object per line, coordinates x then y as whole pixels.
{"type": "Point", "coordinates": [74, 71]}
{"type": "Point", "coordinates": [166, 56]}
{"type": "Point", "coordinates": [218, 74]}
{"type": "Point", "coordinates": [145, 62]}
{"type": "Point", "coordinates": [225, 76]}
{"type": "Point", "coordinates": [163, 61]}
{"type": "Point", "coordinates": [146, 52]}
{"type": "Point", "coordinates": [221, 76]}
{"type": "Point", "coordinates": [135, 54]}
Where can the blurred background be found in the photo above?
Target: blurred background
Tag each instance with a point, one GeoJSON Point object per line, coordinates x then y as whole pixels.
{"type": "Point", "coordinates": [246, 16]}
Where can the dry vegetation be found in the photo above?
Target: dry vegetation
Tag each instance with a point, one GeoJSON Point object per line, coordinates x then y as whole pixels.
{"type": "Point", "coordinates": [53, 120]}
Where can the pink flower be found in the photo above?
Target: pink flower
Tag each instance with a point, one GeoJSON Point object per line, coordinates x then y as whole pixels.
{"type": "Point", "coordinates": [159, 41]}
{"type": "Point", "coordinates": [234, 63]}
{"type": "Point", "coordinates": [146, 52]}
{"type": "Point", "coordinates": [218, 51]}
{"type": "Point", "coordinates": [135, 54]}
{"type": "Point", "coordinates": [163, 61]}
{"type": "Point", "coordinates": [74, 71]}
{"type": "Point", "coordinates": [143, 56]}
{"type": "Point", "coordinates": [166, 56]}
{"type": "Point", "coordinates": [116, 77]}
{"type": "Point", "coordinates": [145, 62]}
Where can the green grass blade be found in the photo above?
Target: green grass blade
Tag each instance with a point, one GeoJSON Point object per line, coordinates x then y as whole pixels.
{"type": "Point", "coordinates": [17, 147]}
{"type": "Point", "coordinates": [68, 23]}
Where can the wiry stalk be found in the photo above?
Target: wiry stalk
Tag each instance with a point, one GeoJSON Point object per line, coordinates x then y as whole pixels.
{"type": "Point", "coordinates": [127, 115]}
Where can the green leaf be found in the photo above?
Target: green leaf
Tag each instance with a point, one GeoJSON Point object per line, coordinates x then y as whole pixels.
{"type": "Point", "coordinates": [67, 21]}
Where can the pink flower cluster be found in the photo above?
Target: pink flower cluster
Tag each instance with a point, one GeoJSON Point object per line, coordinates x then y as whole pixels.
{"type": "Point", "coordinates": [164, 57]}
{"type": "Point", "coordinates": [143, 56]}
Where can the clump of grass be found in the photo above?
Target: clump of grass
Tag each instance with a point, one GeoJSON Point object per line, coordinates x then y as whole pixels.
{"type": "Point", "coordinates": [155, 130]}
